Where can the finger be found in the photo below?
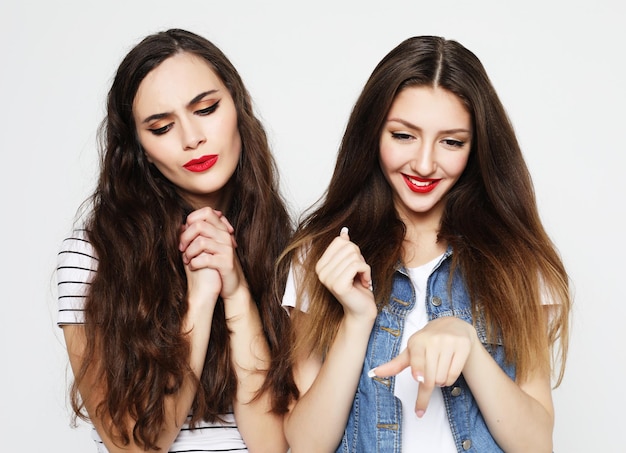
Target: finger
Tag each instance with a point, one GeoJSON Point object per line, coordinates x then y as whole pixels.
{"type": "Point", "coordinates": [424, 372]}
{"type": "Point", "coordinates": [210, 227]}
{"type": "Point", "coordinates": [210, 216]}
{"type": "Point", "coordinates": [201, 214]}
{"type": "Point", "coordinates": [456, 367]}
{"type": "Point", "coordinates": [225, 221]}
{"type": "Point", "coordinates": [202, 261]}
{"type": "Point", "coordinates": [364, 277]}
{"type": "Point", "coordinates": [443, 367]}
{"type": "Point", "coordinates": [231, 230]}
{"type": "Point", "coordinates": [197, 239]}
{"type": "Point", "coordinates": [201, 245]}
{"type": "Point", "coordinates": [339, 273]}
{"type": "Point", "coordinates": [424, 393]}
{"type": "Point", "coordinates": [337, 251]}
{"type": "Point", "coordinates": [341, 248]}
{"type": "Point", "coordinates": [393, 367]}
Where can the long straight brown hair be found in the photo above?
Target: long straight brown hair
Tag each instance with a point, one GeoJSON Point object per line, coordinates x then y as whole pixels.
{"type": "Point", "coordinates": [137, 300]}
{"type": "Point", "coordinates": [491, 220]}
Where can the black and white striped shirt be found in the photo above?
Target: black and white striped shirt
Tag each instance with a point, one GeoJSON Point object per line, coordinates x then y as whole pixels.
{"type": "Point", "coordinates": [76, 266]}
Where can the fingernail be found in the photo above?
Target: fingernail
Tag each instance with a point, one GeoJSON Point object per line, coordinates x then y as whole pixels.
{"type": "Point", "coordinates": [344, 230]}
{"type": "Point", "coordinates": [419, 413]}
{"type": "Point", "coordinates": [420, 378]}
{"type": "Point", "coordinates": [371, 373]}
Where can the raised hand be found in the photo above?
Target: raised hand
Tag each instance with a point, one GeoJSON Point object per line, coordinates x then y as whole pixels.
{"type": "Point", "coordinates": [343, 270]}
{"type": "Point", "coordinates": [208, 247]}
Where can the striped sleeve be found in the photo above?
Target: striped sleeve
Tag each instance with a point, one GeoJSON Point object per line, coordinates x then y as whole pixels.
{"type": "Point", "coordinates": [76, 266]}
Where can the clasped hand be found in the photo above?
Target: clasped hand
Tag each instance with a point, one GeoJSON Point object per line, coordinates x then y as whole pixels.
{"type": "Point", "coordinates": [207, 244]}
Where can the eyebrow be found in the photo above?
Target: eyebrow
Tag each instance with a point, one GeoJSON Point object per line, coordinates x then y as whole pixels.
{"type": "Point", "coordinates": [417, 128]}
{"type": "Point", "coordinates": [196, 99]}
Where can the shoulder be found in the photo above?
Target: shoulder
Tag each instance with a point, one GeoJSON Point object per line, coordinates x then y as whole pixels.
{"type": "Point", "coordinates": [76, 243]}
{"type": "Point", "coordinates": [76, 266]}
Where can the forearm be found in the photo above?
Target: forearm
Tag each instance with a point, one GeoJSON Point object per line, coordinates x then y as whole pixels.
{"type": "Point", "coordinates": [261, 428]}
{"type": "Point", "coordinates": [176, 406]}
{"type": "Point", "coordinates": [325, 407]}
{"type": "Point", "coordinates": [518, 421]}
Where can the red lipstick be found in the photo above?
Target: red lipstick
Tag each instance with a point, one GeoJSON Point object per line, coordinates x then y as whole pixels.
{"type": "Point", "coordinates": [424, 186]}
{"type": "Point", "coordinates": [201, 164]}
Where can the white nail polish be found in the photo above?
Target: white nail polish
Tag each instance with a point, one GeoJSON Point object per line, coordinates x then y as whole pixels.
{"type": "Point", "coordinates": [420, 378]}
{"type": "Point", "coordinates": [344, 230]}
{"type": "Point", "coordinates": [371, 373]}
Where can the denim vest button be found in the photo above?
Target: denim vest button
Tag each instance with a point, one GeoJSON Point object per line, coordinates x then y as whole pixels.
{"type": "Point", "coordinates": [436, 301]}
{"type": "Point", "coordinates": [467, 444]}
{"type": "Point", "coordinates": [456, 391]}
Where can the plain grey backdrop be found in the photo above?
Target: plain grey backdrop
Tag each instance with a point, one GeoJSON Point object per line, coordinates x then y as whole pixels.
{"type": "Point", "coordinates": [558, 67]}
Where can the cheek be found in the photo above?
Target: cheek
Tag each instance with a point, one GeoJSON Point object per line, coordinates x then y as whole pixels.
{"type": "Point", "coordinates": [233, 126]}
{"type": "Point", "coordinates": [159, 148]}
{"type": "Point", "coordinates": [456, 165]}
{"type": "Point", "coordinates": [386, 157]}
{"type": "Point", "coordinates": [154, 150]}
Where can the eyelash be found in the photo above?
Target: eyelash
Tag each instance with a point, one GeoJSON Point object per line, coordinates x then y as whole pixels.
{"type": "Point", "coordinates": [202, 112]}
{"type": "Point", "coordinates": [161, 130]}
{"type": "Point", "coordinates": [208, 110]}
{"type": "Point", "coordinates": [401, 136]}
{"type": "Point", "coordinates": [454, 143]}
{"type": "Point", "coordinates": [448, 141]}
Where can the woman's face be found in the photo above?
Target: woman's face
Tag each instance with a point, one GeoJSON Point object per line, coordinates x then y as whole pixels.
{"type": "Point", "coordinates": [187, 124]}
{"type": "Point", "coordinates": [424, 148]}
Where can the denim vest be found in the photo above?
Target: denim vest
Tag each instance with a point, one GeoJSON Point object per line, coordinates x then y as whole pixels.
{"type": "Point", "coordinates": [375, 421]}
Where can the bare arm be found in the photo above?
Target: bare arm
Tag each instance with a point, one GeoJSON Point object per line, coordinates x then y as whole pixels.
{"type": "Point", "coordinates": [519, 415]}
{"type": "Point", "coordinates": [327, 389]}
{"type": "Point", "coordinates": [324, 405]}
{"type": "Point", "coordinates": [177, 406]}
{"type": "Point", "coordinates": [261, 429]}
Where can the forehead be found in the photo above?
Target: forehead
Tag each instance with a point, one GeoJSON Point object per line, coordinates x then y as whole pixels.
{"type": "Point", "coordinates": [426, 104]}
{"type": "Point", "coordinates": [178, 79]}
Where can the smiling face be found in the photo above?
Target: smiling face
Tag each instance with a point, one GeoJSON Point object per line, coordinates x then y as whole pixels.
{"type": "Point", "coordinates": [424, 148]}
{"type": "Point", "coordinates": [187, 124]}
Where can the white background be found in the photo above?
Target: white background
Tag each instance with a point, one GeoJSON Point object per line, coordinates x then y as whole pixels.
{"type": "Point", "coordinates": [558, 66]}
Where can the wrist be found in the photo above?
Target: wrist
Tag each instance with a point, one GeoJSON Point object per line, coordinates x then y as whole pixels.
{"type": "Point", "coordinates": [359, 321]}
{"type": "Point", "coordinates": [239, 304]}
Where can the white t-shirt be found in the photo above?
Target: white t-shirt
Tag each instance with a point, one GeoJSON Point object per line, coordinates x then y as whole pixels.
{"type": "Point", "coordinates": [432, 432]}
{"type": "Point", "coordinates": [76, 266]}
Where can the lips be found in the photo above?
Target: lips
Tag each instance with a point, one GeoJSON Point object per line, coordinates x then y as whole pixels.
{"type": "Point", "coordinates": [201, 164]}
{"type": "Point", "coordinates": [420, 185]}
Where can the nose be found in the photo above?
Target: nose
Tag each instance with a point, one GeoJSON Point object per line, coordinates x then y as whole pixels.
{"type": "Point", "coordinates": [423, 162]}
{"type": "Point", "coordinates": [192, 135]}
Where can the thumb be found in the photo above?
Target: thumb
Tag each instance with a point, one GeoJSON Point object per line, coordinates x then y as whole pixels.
{"type": "Point", "coordinates": [393, 367]}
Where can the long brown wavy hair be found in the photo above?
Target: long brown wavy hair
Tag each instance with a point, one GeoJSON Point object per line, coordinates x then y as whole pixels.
{"type": "Point", "coordinates": [137, 299]}
{"type": "Point", "coordinates": [490, 219]}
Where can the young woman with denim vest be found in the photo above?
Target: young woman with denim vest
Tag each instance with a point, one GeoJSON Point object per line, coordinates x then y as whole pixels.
{"type": "Point", "coordinates": [174, 331]}
{"type": "Point", "coordinates": [430, 307]}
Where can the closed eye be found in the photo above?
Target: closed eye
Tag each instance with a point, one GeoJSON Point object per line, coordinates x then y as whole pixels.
{"type": "Point", "coordinates": [208, 110]}
{"type": "Point", "coordinates": [401, 136]}
{"type": "Point", "coordinates": [161, 130]}
{"type": "Point", "coordinates": [454, 143]}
